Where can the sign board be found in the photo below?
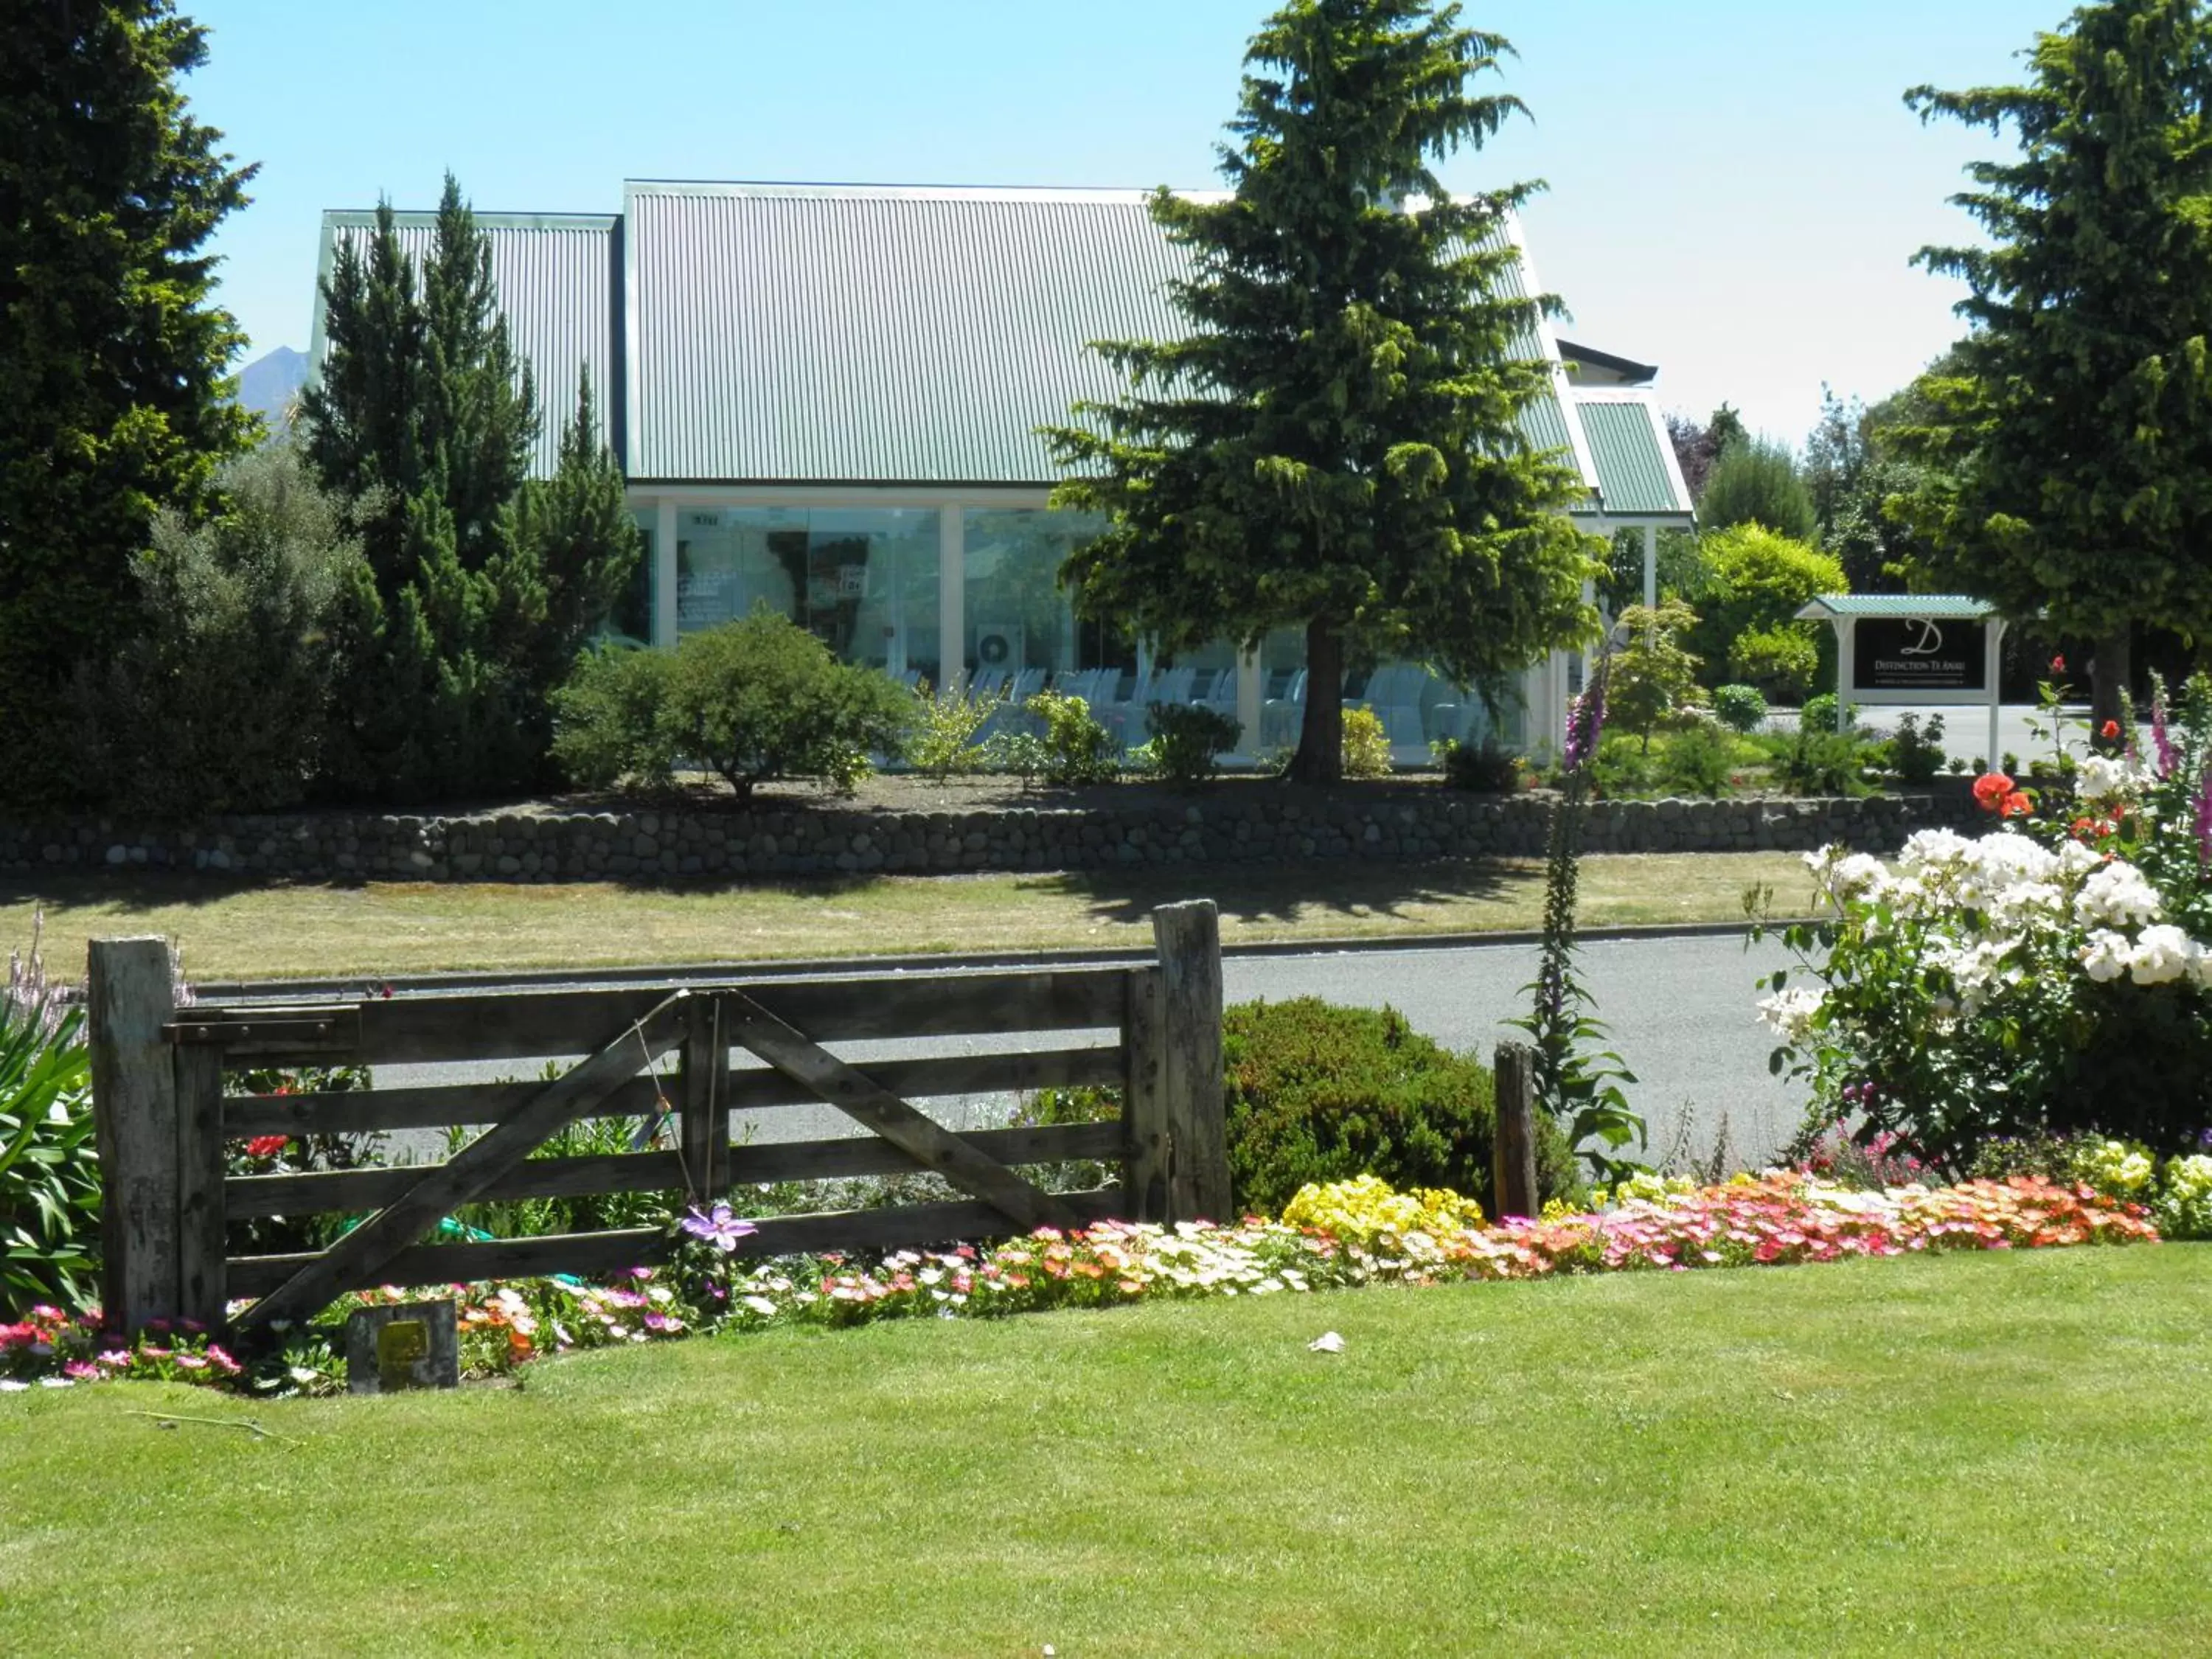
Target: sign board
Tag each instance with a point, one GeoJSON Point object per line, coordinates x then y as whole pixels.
{"type": "Point", "coordinates": [1935, 659]}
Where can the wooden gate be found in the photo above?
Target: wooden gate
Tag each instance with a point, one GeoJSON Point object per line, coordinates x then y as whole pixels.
{"type": "Point", "coordinates": [165, 1121]}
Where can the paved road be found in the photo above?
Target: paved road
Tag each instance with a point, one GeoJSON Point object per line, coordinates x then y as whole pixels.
{"type": "Point", "coordinates": [1680, 1010]}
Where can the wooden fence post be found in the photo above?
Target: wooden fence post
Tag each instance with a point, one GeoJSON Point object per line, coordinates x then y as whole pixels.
{"type": "Point", "coordinates": [1147, 1155]}
{"type": "Point", "coordinates": [1189, 940]}
{"type": "Point", "coordinates": [1513, 1146]}
{"type": "Point", "coordinates": [202, 1282]}
{"type": "Point", "coordinates": [131, 995]}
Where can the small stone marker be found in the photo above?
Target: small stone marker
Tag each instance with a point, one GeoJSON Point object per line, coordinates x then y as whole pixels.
{"type": "Point", "coordinates": [409, 1345]}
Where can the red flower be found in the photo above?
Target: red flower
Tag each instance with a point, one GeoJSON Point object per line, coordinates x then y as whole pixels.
{"type": "Point", "coordinates": [1990, 790]}
{"type": "Point", "coordinates": [2015, 805]}
{"type": "Point", "coordinates": [2112, 731]}
{"type": "Point", "coordinates": [267, 1145]}
{"type": "Point", "coordinates": [2058, 665]}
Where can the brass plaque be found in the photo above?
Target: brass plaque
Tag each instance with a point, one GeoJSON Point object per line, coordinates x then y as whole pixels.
{"type": "Point", "coordinates": [399, 1346]}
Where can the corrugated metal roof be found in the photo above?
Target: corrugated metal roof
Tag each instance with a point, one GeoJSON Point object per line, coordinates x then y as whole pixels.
{"type": "Point", "coordinates": [1896, 604]}
{"type": "Point", "coordinates": [1636, 474]}
{"type": "Point", "coordinates": [555, 275]}
{"type": "Point", "coordinates": [847, 333]}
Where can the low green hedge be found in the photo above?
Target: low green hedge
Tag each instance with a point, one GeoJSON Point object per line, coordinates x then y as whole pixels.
{"type": "Point", "coordinates": [1317, 1092]}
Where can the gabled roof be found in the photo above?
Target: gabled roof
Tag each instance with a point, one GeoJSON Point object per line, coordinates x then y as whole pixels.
{"type": "Point", "coordinates": [558, 278]}
{"type": "Point", "coordinates": [858, 334]}
{"type": "Point", "coordinates": [1832, 607]}
{"type": "Point", "coordinates": [827, 333]}
{"type": "Point", "coordinates": [1638, 474]}
{"type": "Point", "coordinates": [1620, 371]}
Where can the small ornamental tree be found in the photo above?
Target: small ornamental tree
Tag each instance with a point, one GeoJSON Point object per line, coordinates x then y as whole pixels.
{"type": "Point", "coordinates": [1333, 444]}
{"type": "Point", "coordinates": [2067, 438]}
{"type": "Point", "coordinates": [1653, 677]}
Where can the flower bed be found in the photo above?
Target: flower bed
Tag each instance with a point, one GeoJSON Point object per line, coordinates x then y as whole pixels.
{"type": "Point", "coordinates": [1346, 1235]}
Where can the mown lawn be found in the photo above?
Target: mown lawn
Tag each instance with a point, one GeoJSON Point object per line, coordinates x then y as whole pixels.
{"type": "Point", "coordinates": [1995, 1454]}
{"type": "Point", "coordinates": [230, 931]}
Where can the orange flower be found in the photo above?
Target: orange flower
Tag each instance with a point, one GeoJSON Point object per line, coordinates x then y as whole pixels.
{"type": "Point", "coordinates": [2112, 730]}
{"type": "Point", "coordinates": [2015, 805]}
{"type": "Point", "coordinates": [1990, 790]}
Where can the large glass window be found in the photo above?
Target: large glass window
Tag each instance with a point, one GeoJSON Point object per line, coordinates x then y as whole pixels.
{"type": "Point", "coordinates": [863, 580]}
{"type": "Point", "coordinates": [1019, 619]}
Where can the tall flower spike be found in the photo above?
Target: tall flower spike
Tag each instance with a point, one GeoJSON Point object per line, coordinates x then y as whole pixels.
{"type": "Point", "coordinates": [2204, 818]}
{"type": "Point", "coordinates": [2167, 759]}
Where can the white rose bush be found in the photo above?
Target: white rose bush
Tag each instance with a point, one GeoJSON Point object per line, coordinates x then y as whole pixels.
{"type": "Point", "coordinates": [2052, 977]}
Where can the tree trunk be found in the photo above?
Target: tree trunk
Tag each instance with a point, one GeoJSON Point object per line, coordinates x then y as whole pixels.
{"type": "Point", "coordinates": [2114, 665]}
{"type": "Point", "coordinates": [1319, 759]}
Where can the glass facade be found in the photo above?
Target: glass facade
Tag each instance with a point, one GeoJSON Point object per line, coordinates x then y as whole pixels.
{"type": "Point", "coordinates": [867, 580]}
{"type": "Point", "coordinates": [632, 620]}
{"type": "Point", "coordinates": [1018, 619]}
{"type": "Point", "coordinates": [863, 580]}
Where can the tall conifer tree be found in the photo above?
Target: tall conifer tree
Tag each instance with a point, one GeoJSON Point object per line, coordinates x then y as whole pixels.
{"type": "Point", "coordinates": [1335, 443]}
{"type": "Point", "coordinates": [479, 585]}
{"type": "Point", "coordinates": [112, 359]}
{"type": "Point", "coordinates": [2068, 440]}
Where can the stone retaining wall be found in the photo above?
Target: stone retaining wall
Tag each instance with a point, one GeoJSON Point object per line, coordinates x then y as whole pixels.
{"type": "Point", "coordinates": [649, 845]}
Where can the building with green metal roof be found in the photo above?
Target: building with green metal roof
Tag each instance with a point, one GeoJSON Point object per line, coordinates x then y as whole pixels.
{"type": "Point", "coordinates": [827, 397]}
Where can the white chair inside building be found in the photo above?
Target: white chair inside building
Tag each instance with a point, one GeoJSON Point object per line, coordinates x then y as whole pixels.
{"type": "Point", "coordinates": [1393, 693]}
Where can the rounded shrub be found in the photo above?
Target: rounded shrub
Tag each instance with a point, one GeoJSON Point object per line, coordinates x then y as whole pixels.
{"type": "Point", "coordinates": [1740, 708]}
{"type": "Point", "coordinates": [1819, 713]}
{"type": "Point", "coordinates": [1316, 1092]}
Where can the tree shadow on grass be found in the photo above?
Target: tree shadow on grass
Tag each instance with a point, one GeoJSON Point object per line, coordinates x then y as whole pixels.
{"type": "Point", "coordinates": [1263, 893]}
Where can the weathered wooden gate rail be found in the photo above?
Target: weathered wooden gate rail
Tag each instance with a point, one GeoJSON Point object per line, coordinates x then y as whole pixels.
{"type": "Point", "coordinates": [163, 1120]}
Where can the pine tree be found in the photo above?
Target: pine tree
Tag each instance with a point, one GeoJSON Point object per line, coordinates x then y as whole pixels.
{"type": "Point", "coordinates": [2067, 442]}
{"type": "Point", "coordinates": [112, 404]}
{"type": "Point", "coordinates": [1334, 442]}
{"type": "Point", "coordinates": [482, 584]}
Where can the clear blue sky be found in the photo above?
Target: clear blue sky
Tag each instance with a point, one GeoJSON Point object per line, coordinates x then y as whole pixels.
{"type": "Point", "coordinates": [1736, 187]}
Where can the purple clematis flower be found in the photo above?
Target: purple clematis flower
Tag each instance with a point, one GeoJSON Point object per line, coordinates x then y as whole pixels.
{"type": "Point", "coordinates": [717, 1227]}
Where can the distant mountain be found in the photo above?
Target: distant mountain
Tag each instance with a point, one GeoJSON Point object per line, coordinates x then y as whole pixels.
{"type": "Point", "coordinates": [268, 384]}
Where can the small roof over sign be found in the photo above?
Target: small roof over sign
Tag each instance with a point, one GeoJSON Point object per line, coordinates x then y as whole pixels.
{"type": "Point", "coordinates": [1835, 607]}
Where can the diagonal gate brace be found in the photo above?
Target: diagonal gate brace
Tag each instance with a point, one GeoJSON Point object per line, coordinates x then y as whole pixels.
{"type": "Point", "coordinates": [475, 1166]}
{"type": "Point", "coordinates": [918, 1135]}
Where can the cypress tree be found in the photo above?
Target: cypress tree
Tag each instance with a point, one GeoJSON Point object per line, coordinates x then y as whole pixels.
{"type": "Point", "coordinates": [479, 585]}
{"type": "Point", "coordinates": [112, 389]}
{"type": "Point", "coordinates": [2066, 442]}
{"type": "Point", "coordinates": [1335, 443]}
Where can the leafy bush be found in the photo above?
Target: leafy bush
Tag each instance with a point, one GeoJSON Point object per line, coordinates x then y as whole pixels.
{"type": "Point", "coordinates": [1024, 753]}
{"type": "Point", "coordinates": [1078, 750]}
{"type": "Point", "coordinates": [217, 699]}
{"type": "Point", "coordinates": [1819, 713]}
{"type": "Point", "coordinates": [1758, 582]}
{"type": "Point", "coordinates": [610, 729]}
{"type": "Point", "coordinates": [1700, 760]}
{"type": "Point", "coordinates": [1824, 763]}
{"type": "Point", "coordinates": [1782, 662]}
{"type": "Point", "coordinates": [1487, 768]}
{"type": "Point", "coordinates": [1366, 745]}
{"type": "Point", "coordinates": [1317, 1093]}
{"type": "Point", "coordinates": [752, 700]}
{"type": "Point", "coordinates": [1651, 677]}
{"type": "Point", "coordinates": [1740, 708]}
{"type": "Point", "coordinates": [1186, 741]}
{"type": "Point", "coordinates": [943, 740]}
{"type": "Point", "coordinates": [1915, 755]}
{"type": "Point", "coordinates": [2052, 982]}
{"type": "Point", "coordinates": [49, 1172]}
{"type": "Point", "coordinates": [1755, 484]}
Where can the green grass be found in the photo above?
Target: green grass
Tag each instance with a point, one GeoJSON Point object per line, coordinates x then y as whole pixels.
{"type": "Point", "coordinates": [233, 931]}
{"type": "Point", "coordinates": [2000, 1453]}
